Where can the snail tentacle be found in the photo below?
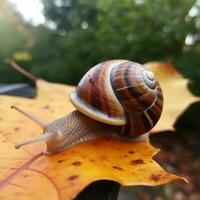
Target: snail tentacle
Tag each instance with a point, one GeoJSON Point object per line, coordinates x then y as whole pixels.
{"type": "Point", "coordinates": [35, 139]}
{"type": "Point", "coordinates": [43, 124]}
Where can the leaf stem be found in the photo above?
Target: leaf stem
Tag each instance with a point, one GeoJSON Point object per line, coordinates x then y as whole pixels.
{"type": "Point", "coordinates": [8, 179]}
{"type": "Point", "coordinates": [15, 66]}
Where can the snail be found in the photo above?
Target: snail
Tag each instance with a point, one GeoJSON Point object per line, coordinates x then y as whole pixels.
{"type": "Point", "coordinates": [116, 98]}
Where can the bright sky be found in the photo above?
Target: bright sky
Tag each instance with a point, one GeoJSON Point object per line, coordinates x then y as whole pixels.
{"type": "Point", "coordinates": [31, 10]}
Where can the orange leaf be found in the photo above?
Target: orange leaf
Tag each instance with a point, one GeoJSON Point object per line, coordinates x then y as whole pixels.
{"type": "Point", "coordinates": [27, 174]}
{"type": "Point", "coordinates": [176, 95]}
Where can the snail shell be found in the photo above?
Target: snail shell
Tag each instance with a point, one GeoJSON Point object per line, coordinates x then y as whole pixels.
{"type": "Point", "coordinates": [120, 93]}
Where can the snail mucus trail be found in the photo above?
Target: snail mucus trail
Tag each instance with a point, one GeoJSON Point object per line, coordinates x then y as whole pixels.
{"type": "Point", "coordinates": [116, 98]}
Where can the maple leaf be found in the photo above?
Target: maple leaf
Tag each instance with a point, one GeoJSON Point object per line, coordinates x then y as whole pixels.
{"type": "Point", "coordinates": [29, 174]}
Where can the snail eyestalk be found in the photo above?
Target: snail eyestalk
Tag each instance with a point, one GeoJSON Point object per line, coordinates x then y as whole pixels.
{"type": "Point", "coordinates": [39, 121]}
{"type": "Point", "coordinates": [35, 139]}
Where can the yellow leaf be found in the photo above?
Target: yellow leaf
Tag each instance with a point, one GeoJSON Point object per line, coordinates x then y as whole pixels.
{"type": "Point", "coordinates": [176, 95]}
{"type": "Point", "coordinates": [64, 175]}
{"type": "Point", "coordinates": [22, 56]}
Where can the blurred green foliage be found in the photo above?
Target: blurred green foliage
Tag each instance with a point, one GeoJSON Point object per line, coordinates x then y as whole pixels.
{"type": "Point", "coordinates": [81, 33]}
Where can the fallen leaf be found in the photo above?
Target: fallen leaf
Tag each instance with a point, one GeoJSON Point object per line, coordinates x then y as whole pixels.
{"type": "Point", "coordinates": [64, 175]}
{"type": "Point", "coordinates": [176, 94]}
{"type": "Point", "coordinates": [28, 174]}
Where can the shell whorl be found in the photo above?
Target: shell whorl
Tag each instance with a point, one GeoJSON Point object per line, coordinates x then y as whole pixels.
{"type": "Point", "coordinates": [149, 79]}
{"type": "Point", "coordinates": [140, 96]}
{"type": "Point", "coordinates": [120, 92]}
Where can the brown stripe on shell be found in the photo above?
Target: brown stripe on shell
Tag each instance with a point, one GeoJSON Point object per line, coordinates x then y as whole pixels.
{"type": "Point", "coordinates": [143, 105]}
{"type": "Point", "coordinates": [145, 121]}
{"type": "Point", "coordinates": [139, 104]}
{"type": "Point", "coordinates": [102, 95]}
{"type": "Point", "coordinates": [137, 125]}
{"type": "Point", "coordinates": [90, 91]}
{"type": "Point", "coordinates": [124, 91]}
{"type": "Point", "coordinates": [119, 79]}
{"type": "Point", "coordinates": [96, 95]}
{"type": "Point", "coordinates": [130, 88]}
{"type": "Point", "coordinates": [93, 90]}
{"type": "Point", "coordinates": [155, 111]}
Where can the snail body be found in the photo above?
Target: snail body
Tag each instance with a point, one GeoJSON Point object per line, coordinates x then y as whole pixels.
{"type": "Point", "coordinates": [114, 98]}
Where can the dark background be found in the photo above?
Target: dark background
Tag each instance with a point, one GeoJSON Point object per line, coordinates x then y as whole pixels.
{"type": "Point", "coordinates": [81, 33]}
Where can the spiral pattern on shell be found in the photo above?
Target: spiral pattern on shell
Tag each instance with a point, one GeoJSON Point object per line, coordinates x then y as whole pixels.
{"type": "Point", "coordinates": [139, 94]}
{"type": "Point", "coordinates": [120, 92]}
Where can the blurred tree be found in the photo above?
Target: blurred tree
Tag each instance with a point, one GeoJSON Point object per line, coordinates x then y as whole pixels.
{"type": "Point", "coordinates": [67, 15]}
{"type": "Point", "coordinates": [14, 38]}
{"type": "Point", "coordinates": [140, 30]}
{"type": "Point", "coordinates": [48, 57]}
{"type": "Point", "coordinates": [80, 33]}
